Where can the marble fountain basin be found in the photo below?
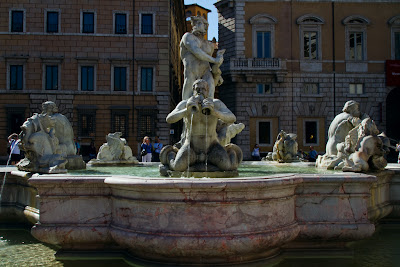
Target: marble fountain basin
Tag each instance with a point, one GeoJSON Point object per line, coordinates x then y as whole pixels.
{"type": "Point", "coordinates": [205, 221]}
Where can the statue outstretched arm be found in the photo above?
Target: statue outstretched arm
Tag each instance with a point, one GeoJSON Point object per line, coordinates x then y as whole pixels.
{"type": "Point", "coordinates": [191, 43]}
{"type": "Point", "coordinates": [178, 113]}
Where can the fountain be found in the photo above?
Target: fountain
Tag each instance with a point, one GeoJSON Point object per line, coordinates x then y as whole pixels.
{"type": "Point", "coordinates": [285, 148]}
{"type": "Point", "coordinates": [188, 220]}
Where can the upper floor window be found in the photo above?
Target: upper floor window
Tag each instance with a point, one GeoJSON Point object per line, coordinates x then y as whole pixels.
{"type": "Point", "coordinates": [52, 24]}
{"type": "Point", "coordinates": [88, 22]}
{"type": "Point", "coordinates": [87, 78]}
{"type": "Point", "coordinates": [120, 23]}
{"type": "Point", "coordinates": [395, 36]}
{"type": "Point", "coordinates": [120, 74]}
{"type": "Point", "coordinates": [16, 77]}
{"type": "Point", "coordinates": [356, 37]}
{"type": "Point", "coordinates": [263, 35]}
{"type": "Point", "coordinates": [147, 24]}
{"type": "Point", "coordinates": [17, 21]}
{"type": "Point", "coordinates": [51, 77]}
{"type": "Point", "coordinates": [310, 32]}
{"type": "Point", "coordinates": [146, 79]}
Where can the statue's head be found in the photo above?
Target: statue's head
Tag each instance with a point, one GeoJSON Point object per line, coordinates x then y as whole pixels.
{"type": "Point", "coordinates": [49, 108]}
{"type": "Point", "coordinates": [199, 25]}
{"type": "Point", "coordinates": [200, 87]}
{"type": "Point", "coordinates": [353, 108]}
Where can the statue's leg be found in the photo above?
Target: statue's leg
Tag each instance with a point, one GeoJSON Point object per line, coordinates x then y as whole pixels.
{"type": "Point", "coordinates": [211, 84]}
{"type": "Point", "coordinates": [187, 90]}
{"type": "Point", "coordinates": [218, 156]}
{"type": "Point", "coordinates": [183, 159]}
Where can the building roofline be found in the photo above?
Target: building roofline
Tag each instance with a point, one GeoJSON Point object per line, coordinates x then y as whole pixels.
{"type": "Point", "coordinates": [195, 4]}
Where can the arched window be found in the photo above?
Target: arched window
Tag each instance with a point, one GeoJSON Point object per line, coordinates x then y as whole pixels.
{"type": "Point", "coordinates": [263, 32]}
{"type": "Point", "coordinates": [310, 36]}
{"type": "Point", "coordinates": [188, 15]}
{"type": "Point", "coordinates": [356, 37]}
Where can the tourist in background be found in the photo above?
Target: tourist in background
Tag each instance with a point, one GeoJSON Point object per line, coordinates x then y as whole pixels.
{"type": "Point", "coordinates": [398, 150]}
{"type": "Point", "coordinates": [14, 149]}
{"type": "Point", "coordinates": [147, 148]}
{"type": "Point", "coordinates": [78, 146]}
{"type": "Point", "coordinates": [157, 149]}
{"type": "Point", "coordinates": [312, 155]}
{"type": "Point", "coordinates": [255, 155]}
{"type": "Point", "coordinates": [92, 151]}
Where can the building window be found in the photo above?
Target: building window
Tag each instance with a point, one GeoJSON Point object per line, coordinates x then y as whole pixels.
{"type": "Point", "coordinates": [264, 133]}
{"type": "Point", "coordinates": [311, 132]}
{"type": "Point", "coordinates": [146, 122]}
{"type": "Point", "coordinates": [86, 122]}
{"type": "Point", "coordinates": [17, 21]}
{"type": "Point", "coordinates": [264, 89]}
{"type": "Point", "coordinates": [87, 78]}
{"type": "Point", "coordinates": [356, 46]}
{"type": "Point", "coordinates": [51, 77]}
{"type": "Point", "coordinates": [16, 77]}
{"type": "Point", "coordinates": [263, 32]}
{"type": "Point", "coordinates": [52, 22]}
{"type": "Point", "coordinates": [310, 32]}
{"type": "Point", "coordinates": [356, 88]}
{"type": "Point", "coordinates": [146, 79]}
{"type": "Point", "coordinates": [397, 45]}
{"type": "Point", "coordinates": [394, 23]}
{"type": "Point", "coordinates": [310, 45]}
{"type": "Point", "coordinates": [311, 88]}
{"type": "Point", "coordinates": [147, 24]}
{"type": "Point", "coordinates": [120, 78]}
{"type": "Point", "coordinates": [120, 23]}
{"type": "Point", "coordinates": [263, 44]}
{"type": "Point", "coordinates": [188, 15]}
{"type": "Point", "coordinates": [119, 121]}
{"type": "Point", "coordinates": [356, 37]}
{"type": "Point", "coordinates": [88, 22]}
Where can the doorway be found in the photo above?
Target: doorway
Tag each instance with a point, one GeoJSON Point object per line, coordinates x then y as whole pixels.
{"type": "Point", "coordinates": [393, 121]}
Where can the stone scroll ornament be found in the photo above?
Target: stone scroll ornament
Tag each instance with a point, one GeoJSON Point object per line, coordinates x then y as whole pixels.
{"type": "Point", "coordinates": [354, 143]}
{"type": "Point", "coordinates": [114, 152]}
{"type": "Point", "coordinates": [285, 148]}
{"type": "Point", "coordinates": [47, 140]}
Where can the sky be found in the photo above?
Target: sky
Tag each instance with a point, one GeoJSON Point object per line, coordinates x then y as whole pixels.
{"type": "Point", "coordinates": [212, 16]}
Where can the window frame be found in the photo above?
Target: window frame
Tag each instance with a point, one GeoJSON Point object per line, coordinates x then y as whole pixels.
{"type": "Point", "coordinates": [303, 92]}
{"type": "Point", "coordinates": [263, 87]}
{"type": "Point", "coordinates": [120, 111]}
{"type": "Point", "coordinates": [83, 19]}
{"type": "Point", "coordinates": [152, 23]}
{"type": "Point", "coordinates": [270, 121]}
{"type": "Point", "coordinates": [305, 120]}
{"type": "Point", "coordinates": [139, 80]}
{"type": "Point", "coordinates": [22, 76]}
{"type": "Point", "coordinates": [58, 76]}
{"type": "Point", "coordinates": [356, 89]}
{"type": "Point", "coordinates": [126, 66]}
{"type": "Point", "coordinates": [10, 26]}
{"type": "Point", "coordinates": [115, 13]}
{"type": "Point", "coordinates": [263, 23]}
{"type": "Point", "coordinates": [146, 112]}
{"type": "Point", "coordinates": [86, 111]}
{"type": "Point", "coordinates": [58, 11]}
{"type": "Point", "coordinates": [310, 23]}
{"type": "Point", "coordinates": [80, 73]}
{"type": "Point", "coordinates": [394, 23]}
{"type": "Point", "coordinates": [152, 79]}
{"type": "Point", "coordinates": [16, 62]}
{"type": "Point", "coordinates": [356, 24]}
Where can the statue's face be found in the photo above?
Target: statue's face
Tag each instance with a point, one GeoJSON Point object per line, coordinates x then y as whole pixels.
{"type": "Point", "coordinates": [199, 26]}
{"type": "Point", "coordinates": [200, 89]}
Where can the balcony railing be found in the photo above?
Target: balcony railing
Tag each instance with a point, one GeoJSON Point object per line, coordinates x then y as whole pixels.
{"type": "Point", "coordinates": [257, 64]}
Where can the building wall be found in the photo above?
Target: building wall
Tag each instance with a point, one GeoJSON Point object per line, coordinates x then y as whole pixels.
{"type": "Point", "coordinates": [103, 49]}
{"type": "Point", "coordinates": [332, 71]}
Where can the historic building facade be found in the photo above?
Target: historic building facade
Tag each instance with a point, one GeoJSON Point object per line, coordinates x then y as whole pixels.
{"type": "Point", "coordinates": [291, 65]}
{"type": "Point", "coordinates": [109, 65]}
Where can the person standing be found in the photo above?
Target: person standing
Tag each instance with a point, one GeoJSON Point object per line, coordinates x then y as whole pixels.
{"type": "Point", "coordinates": [157, 149]}
{"type": "Point", "coordinates": [147, 148]}
{"type": "Point", "coordinates": [398, 150]}
{"type": "Point", "coordinates": [312, 155]}
{"type": "Point", "coordinates": [14, 149]}
{"type": "Point", "coordinates": [255, 155]}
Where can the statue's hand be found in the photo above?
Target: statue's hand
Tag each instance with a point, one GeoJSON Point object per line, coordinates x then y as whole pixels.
{"type": "Point", "coordinates": [192, 105]}
{"type": "Point", "coordinates": [219, 59]}
{"type": "Point", "coordinates": [207, 106]}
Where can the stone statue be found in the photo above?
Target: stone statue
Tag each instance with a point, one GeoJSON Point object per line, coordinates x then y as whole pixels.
{"type": "Point", "coordinates": [285, 148]}
{"type": "Point", "coordinates": [47, 140]}
{"type": "Point", "coordinates": [196, 54]}
{"type": "Point", "coordinates": [201, 149]}
{"type": "Point", "coordinates": [115, 151]}
{"type": "Point", "coordinates": [354, 143]}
